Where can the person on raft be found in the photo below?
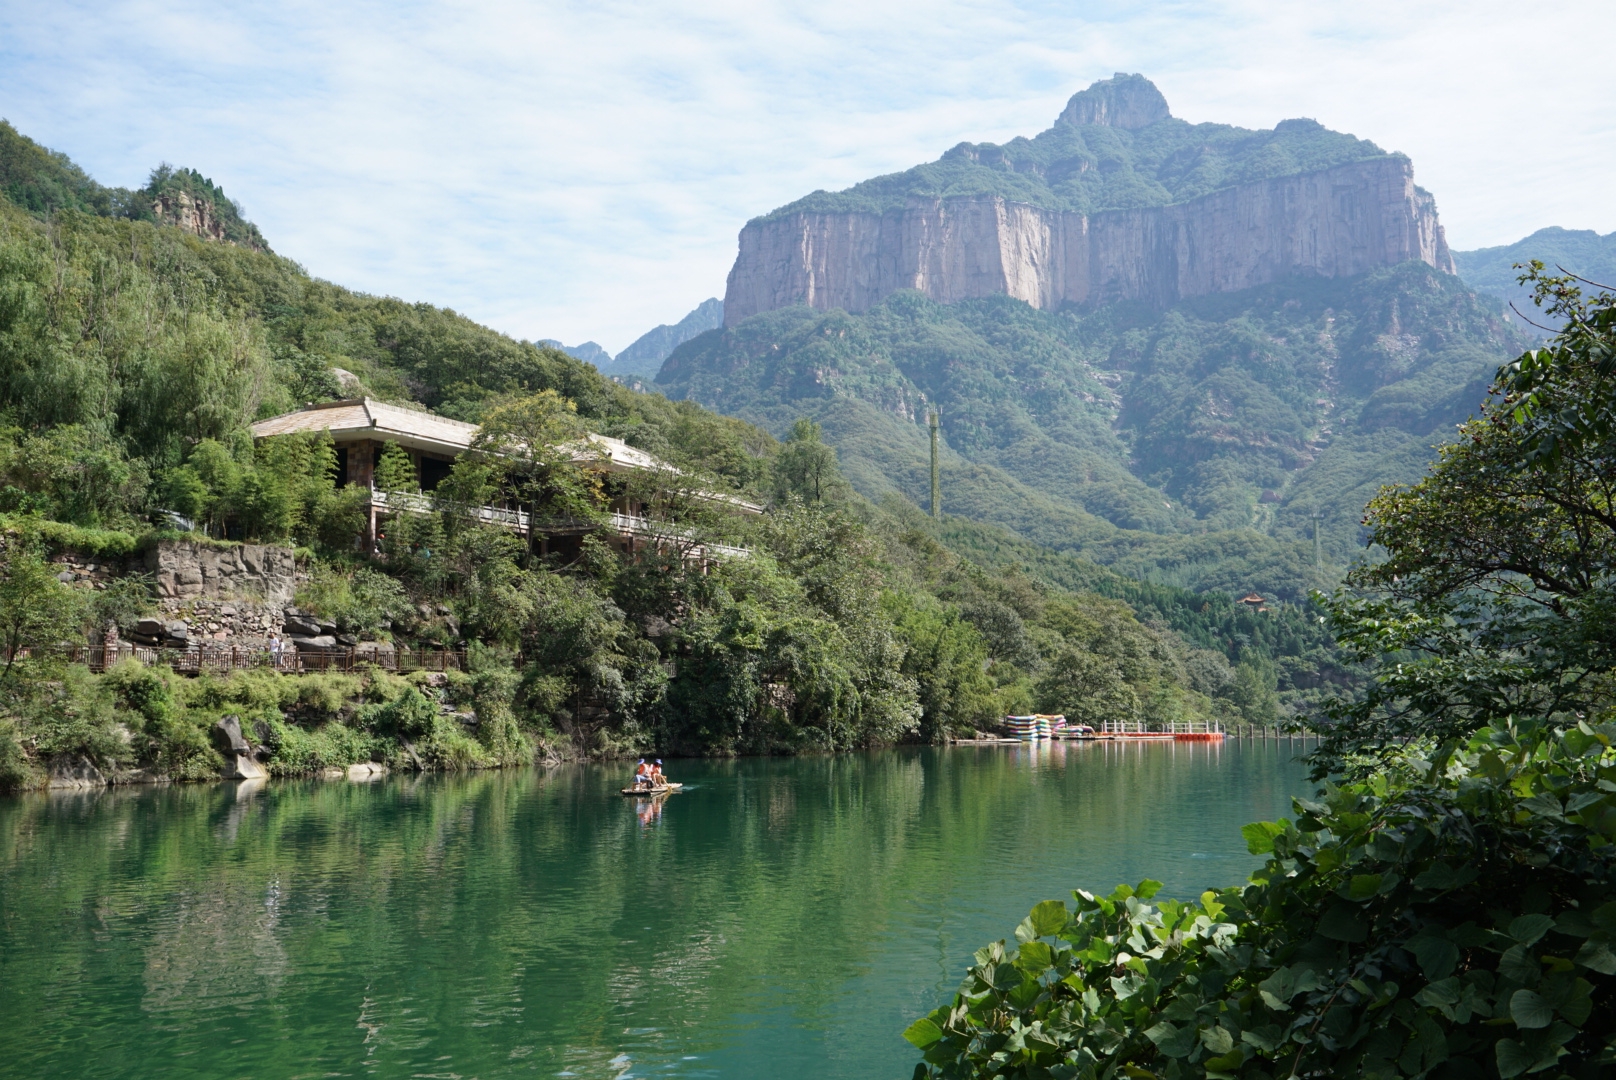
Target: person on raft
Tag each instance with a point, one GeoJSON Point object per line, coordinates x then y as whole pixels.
{"type": "Point", "coordinates": [658, 777]}
{"type": "Point", "coordinates": [642, 775]}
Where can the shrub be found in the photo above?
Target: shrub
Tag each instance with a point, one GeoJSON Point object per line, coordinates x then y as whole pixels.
{"type": "Point", "coordinates": [1453, 919]}
{"type": "Point", "coordinates": [15, 770]}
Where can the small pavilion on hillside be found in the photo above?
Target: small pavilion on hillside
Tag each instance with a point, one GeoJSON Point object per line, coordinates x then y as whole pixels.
{"type": "Point", "coordinates": [362, 427]}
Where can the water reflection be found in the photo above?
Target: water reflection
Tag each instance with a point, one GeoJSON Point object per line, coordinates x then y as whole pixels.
{"type": "Point", "coordinates": [777, 916]}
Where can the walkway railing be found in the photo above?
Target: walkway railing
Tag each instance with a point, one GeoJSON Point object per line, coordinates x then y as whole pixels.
{"type": "Point", "coordinates": [1177, 727]}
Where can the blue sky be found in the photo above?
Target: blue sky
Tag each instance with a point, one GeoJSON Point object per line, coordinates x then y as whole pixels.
{"type": "Point", "coordinates": [579, 170]}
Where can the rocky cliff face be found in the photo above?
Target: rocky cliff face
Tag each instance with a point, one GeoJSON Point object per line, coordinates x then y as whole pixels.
{"type": "Point", "coordinates": [195, 216]}
{"type": "Point", "coordinates": [1332, 223]}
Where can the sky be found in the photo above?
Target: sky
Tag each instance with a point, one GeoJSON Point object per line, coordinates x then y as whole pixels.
{"type": "Point", "coordinates": [579, 170]}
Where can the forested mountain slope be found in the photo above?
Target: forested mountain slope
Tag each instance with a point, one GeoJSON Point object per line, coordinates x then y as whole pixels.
{"type": "Point", "coordinates": [1191, 445]}
{"type": "Point", "coordinates": [134, 354]}
{"type": "Point", "coordinates": [1493, 271]}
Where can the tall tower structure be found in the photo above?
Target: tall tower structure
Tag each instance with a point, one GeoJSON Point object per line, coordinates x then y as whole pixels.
{"type": "Point", "coordinates": [936, 484]}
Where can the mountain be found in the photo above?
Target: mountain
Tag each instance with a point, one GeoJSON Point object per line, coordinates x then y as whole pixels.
{"type": "Point", "coordinates": [1280, 334]}
{"type": "Point", "coordinates": [644, 357]}
{"type": "Point", "coordinates": [43, 181]}
{"type": "Point", "coordinates": [1581, 251]}
{"type": "Point", "coordinates": [1118, 200]}
{"type": "Point", "coordinates": [1190, 446]}
{"type": "Point", "coordinates": [589, 352]}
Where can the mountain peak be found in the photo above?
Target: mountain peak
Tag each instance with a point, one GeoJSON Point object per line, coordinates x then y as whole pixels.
{"type": "Point", "coordinates": [1123, 101]}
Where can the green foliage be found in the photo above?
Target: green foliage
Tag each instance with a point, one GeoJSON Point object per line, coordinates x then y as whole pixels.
{"type": "Point", "coordinates": [1189, 447]}
{"type": "Point", "coordinates": [1495, 596]}
{"type": "Point", "coordinates": [947, 657]}
{"type": "Point", "coordinates": [1451, 919]}
{"type": "Point", "coordinates": [122, 603]}
{"type": "Point", "coordinates": [359, 599]}
{"type": "Point", "coordinates": [395, 471]}
{"type": "Point", "coordinates": [35, 608]}
{"type": "Point", "coordinates": [806, 468]}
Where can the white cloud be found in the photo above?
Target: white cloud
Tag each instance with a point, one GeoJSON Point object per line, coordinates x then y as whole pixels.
{"type": "Point", "coordinates": [579, 170]}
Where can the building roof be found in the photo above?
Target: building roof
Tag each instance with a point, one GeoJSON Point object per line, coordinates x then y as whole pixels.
{"type": "Point", "coordinates": [365, 418]}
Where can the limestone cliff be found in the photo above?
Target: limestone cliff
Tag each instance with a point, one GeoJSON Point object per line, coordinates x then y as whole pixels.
{"type": "Point", "coordinates": [1345, 218]}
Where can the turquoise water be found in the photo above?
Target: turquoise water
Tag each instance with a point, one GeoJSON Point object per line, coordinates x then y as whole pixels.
{"type": "Point", "coordinates": [779, 917]}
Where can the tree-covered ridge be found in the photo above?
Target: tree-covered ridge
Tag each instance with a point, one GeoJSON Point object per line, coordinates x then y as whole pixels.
{"type": "Point", "coordinates": [1192, 446]}
{"type": "Point", "coordinates": [43, 182]}
{"type": "Point", "coordinates": [1494, 271]}
{"type": "Point", "coordinates": [133, 358]}
{"type": "Point", "coordinates": [1090, 167]}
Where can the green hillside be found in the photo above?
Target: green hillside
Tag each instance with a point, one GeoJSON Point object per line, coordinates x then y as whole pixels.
{"type": "Point", "coordinates": [134, 355]}
{"type": "Point", "coordinates": [1085, 167]}
{"type": "Point", "coordinates": [1492, 271]}
{"type": "Point", "coordinates": [1190, 446]}
{"type": "Point", "coordinates": [43, 182]}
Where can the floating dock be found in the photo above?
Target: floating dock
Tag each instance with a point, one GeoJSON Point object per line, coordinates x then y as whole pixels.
{"type": "Point", "coordinates": [1040, 727]}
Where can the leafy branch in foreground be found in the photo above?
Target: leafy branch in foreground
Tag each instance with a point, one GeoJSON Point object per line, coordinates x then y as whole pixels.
{"type": "Point", "coordinates": [1496, 596]}
{"type": "Point", "coordinates": [1453, 918]}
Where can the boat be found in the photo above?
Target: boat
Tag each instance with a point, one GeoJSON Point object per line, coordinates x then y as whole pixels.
{"type": "Point", "coordinates": [665, 789]}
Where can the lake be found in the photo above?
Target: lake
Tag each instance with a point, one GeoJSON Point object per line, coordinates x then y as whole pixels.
{"type": "Point", "coordinates": [779, 917]}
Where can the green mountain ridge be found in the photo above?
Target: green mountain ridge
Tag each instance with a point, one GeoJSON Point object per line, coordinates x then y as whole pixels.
{"type": "Point", "coordinates": [1190, 446]}
{"type": "Point", "coordinates": [1492, 271]}
{"type": "Point", "coordinates": [1114, 147]}
{"type": "Point", "coordinates": [44, 182]}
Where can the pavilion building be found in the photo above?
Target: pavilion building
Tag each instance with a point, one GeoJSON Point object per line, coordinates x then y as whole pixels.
{"type": "Point", "coordinates": [361, 427]}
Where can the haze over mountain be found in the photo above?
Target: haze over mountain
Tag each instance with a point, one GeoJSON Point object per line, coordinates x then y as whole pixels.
{"type": "Point", "coordinates": [1492, 271]}
{"type": "Point", "coordinates": [643, 358]}
{"type": "Point", "coordinates": [1167, 346]}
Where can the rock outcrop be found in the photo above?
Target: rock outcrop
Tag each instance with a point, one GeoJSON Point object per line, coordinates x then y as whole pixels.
{"type": "Point", "coordinates": [1332, 223]}
{"type": "Point", "coordinates": [187, 570]}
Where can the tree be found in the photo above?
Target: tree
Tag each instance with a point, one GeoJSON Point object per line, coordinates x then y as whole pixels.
{"type": "Point", "coordinates": [535, 449]}
{"type": "Point", "coordinates": [1497, 594]}
{"type": "Point", "coordinates": [36, 610]}
{"type": "Point", "coordinates": [394, 470]}
{"type": "Point", "coordinates": [806, 467]}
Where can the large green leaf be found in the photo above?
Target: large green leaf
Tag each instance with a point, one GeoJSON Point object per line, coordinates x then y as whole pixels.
{"type": "Point", "coordinates": [1343, 923]}
{"type": "Point", "coordinates": [1217, 1040]}
{"type": "Point", "coordinates": [1437, 956]}
{"type": "Point", "coordinates": [1527, 929]}
{"type": "Point", "coordinates": [1049, 917]}
{"type": "Point", "coordinates": [1529, 1010]}
{"type": "Point", "coordinates": [1518, 965]}
{"type": "Point", "coordinates": [1513, 1058]}
{"type": "Point", "coordinates": [1363, 886]}
{"type": "Point", "coordinates": [922, 1033]}
{"type": "Point", "coordinates": [1260, 836]}
{"type": "Point", "coordinates": [1596, 955]}
{"type": "Point", "coordinates": [1034, 957]}
{"type": "Point", "coordinates": [1175, 1042]}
